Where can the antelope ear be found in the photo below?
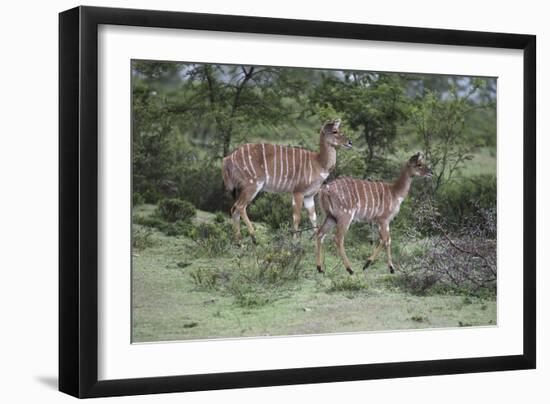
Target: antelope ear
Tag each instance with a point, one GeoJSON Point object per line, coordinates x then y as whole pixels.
{"type": "Point", "coordinates": [336, 123]}
{"type": "Point", "coordinates": [415, 158]}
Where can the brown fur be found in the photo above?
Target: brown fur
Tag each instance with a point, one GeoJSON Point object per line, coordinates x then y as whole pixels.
{"type": "Point", "coordinates": [346, 200]}
{"type": "Point", "coordinates": [253, 168]}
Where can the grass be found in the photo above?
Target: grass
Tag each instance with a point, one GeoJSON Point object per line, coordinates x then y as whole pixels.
{"type": "Point", "coordinates": [169, 303]}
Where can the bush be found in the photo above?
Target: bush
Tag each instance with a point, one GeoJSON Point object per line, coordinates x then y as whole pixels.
{"type": "Point", "coordinates": [275, 210]}
{"type": "Point", "coordinates": [137, 199]}
{"type": "Point", "coordinates": [461, 264]}
{"type": "Point", "coordinates": [178, 228]}
{"type": "Point", "coordinates": [175, 209]}
{"type": "Point", "coordinates": [220, 217]}
{"type": "Point", "coordinates": [461, 201]}
{"type": "Point", "coordinates": [213, 239]}
{"type": "Point", "coordinates": [141, 237]}
{"type": "Point", "coordinates": [347, 283]}
{"type": "Point", "coordinates": [201, 183]}
{"type": "Point", "coordinates": [260, 275]}
{"type": "Point", "coordinates": [280, 260]}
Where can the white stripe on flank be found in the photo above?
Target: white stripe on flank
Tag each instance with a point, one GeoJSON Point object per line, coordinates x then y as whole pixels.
{"type": "Point", "coordinates": [377, 199]}
{"type": "Point", "coordinates": [310, 171]}
{"type": "Point", "coordinates": [244, 161]}
{"type": "Point", "coordinates": [372, 205]}
{"type": "Point", "coordinates": [365, 200]}
{"type": "Point", "coordinates": [250, 160]}
{"type": "Point", "coordinates": [233, 161]}
{"type": "Point", "coordinates": [383, 200]}
{"type": "Point", "coordinates": [381, 204]}
{"type": "Point", "coordinates": [341, 192]}
{"type": "Point", "coordinates": [292, 184]}
{"type": "Point", "coordinates": [334, 189]}
{"type": "Point", "coordinates": [286, 171]}
{"type": "Point", "coordinates": [265, 166]}
{"type": "Point", "coordinates": [285, 182]}
{"type": "Point", "coordinates": [357, 199]}
{"type": "Point", "coordinates": [302, 163]}
{"type": "Point", "coordinates": [391, 200]}
{"type": "Point", "coordinates": [281, 176]}
{"type": "Point", "coordinates": [348, 190]}
{"type": "Point", "coordinates": [274, 167]}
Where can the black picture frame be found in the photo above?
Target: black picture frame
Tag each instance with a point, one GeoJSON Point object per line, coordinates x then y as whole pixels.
{"type": "Point", "coordinates": [78, 201]}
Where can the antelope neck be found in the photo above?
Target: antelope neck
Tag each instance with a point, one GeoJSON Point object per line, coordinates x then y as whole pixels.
{"type": "Point", "coordinates": [327, 155]}
{"type": "Point", "coordinates": [402, 185]}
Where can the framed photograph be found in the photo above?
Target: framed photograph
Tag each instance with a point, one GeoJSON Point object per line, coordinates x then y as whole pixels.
{"type": "Point", "coordinates": [251, 201]}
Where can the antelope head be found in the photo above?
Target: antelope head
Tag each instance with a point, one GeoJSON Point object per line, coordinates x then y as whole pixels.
{"type": "Point", "coordinates": [333, 136]}
{"type": "Point", "coordinates": [417, 166]}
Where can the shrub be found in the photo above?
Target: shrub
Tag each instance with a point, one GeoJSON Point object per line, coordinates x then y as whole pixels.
{"type": "Point", "coordinates": [175, 209]}
{"type": "Point", "coordinates": [280, 260]}
{"type": "Point", "coordinates": [220, 217]}
{"type": "Point", "coordinates": [275, 210]}
{"type": "Point", "coordinates": [260, 274]}
{"type": "Point", "coordinates": [461, 264]}
{"type": "Point", "coordinates": [213, 239]}
{"type": "Point", "coordinates": [463, 200]}
{"type": "Point", "coordinates": [137, 199]}
{"type": "Point", "coordinates": [141, 237]}
{"type": "Point", "coordinates": [347, 284]}
{"type": "Point", "coordinates": [200, 182]}
{"type": "Point", "coordinates": [178, 228]}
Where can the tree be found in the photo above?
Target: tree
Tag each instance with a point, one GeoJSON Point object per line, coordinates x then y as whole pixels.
{"type": "Point", "coordinates": [374, 104]}
{"type": "Point", "coordinates": [439, 119]}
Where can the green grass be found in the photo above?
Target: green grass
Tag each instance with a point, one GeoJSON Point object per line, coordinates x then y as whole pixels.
{"type": "Point", "coordinates": [168, 303]}
{"type": "Point", "coordinates": [484, 162]}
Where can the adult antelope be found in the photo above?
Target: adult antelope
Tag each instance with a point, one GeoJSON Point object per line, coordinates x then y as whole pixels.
{"type": "Point", "coordinates": [274, 168]}
{"type": "Point", "coordinates": [346, 200]}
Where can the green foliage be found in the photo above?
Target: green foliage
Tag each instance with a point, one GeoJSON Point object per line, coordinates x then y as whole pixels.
{"type": "Point", "coordinates": [275, 210]}
{"type": "Point", "coordinates": [174, 209]}
{"type": "Point", "coordinates": [213, 239]}
{"type": "Point", "coordinates": [141, 237]}
{"type": "Point", "coordinates": [461, 201]}
{"type": "Point", "coordinates": [441, 124]}
{"type": "Point", "coordinates": [220, 217]}
{"type": "Point", "coordinates": [350, 163]}
{"type": "Point", "coordinates": [374, 104]}
{"type": "Point", "coordinates": [261, 275]}
{"type": "Point", "coordinates": [347, 283]}
{"type": "Point", "coordinates": [137, 199]}
{"type": "Point", "coordinates": [200, 183]}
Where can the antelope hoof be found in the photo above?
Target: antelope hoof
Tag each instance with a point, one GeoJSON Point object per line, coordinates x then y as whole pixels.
{"type": "Point", "coordinates": [253, 238]}
{"type": "Point", "coordinates": [350, 271]}
{"type": "Point", "coordinates": [367, 264]}
{"type": "Point", "coordinates": [320, 270]}
{"type": "Point", "coordinates": [392, 269]}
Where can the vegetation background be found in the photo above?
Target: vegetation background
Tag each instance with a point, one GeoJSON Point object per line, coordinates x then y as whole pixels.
{"type": "Point", "coordinates": [190, 281]}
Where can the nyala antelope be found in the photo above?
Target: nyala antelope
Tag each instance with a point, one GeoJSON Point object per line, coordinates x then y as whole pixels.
{"type": "Point", "coordinates": [346, 200]}
{"type": "Point", "coordinates": [274, 168]}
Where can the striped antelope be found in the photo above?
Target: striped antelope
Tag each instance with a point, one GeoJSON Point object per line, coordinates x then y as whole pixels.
{"type": "Point", "coordinates": [274, 168]}
{"type": "Point", "coordinates": [345, 200]}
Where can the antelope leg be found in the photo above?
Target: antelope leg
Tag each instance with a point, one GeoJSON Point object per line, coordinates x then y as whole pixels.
{"type": "Point", "coordinates": [327, 225]}
{"type": "Point", "coordinates": [309, 203]}
{"type": "Point", "coordinates": [297, 201]}
{"type": "Point", "coordinates": [341, 228]}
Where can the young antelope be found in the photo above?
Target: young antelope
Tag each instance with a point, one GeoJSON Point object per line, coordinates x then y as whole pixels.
{"type": "Point", "coordinates": [274, 168]}
{"type": "Point", "coordinates": [346, 200]}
